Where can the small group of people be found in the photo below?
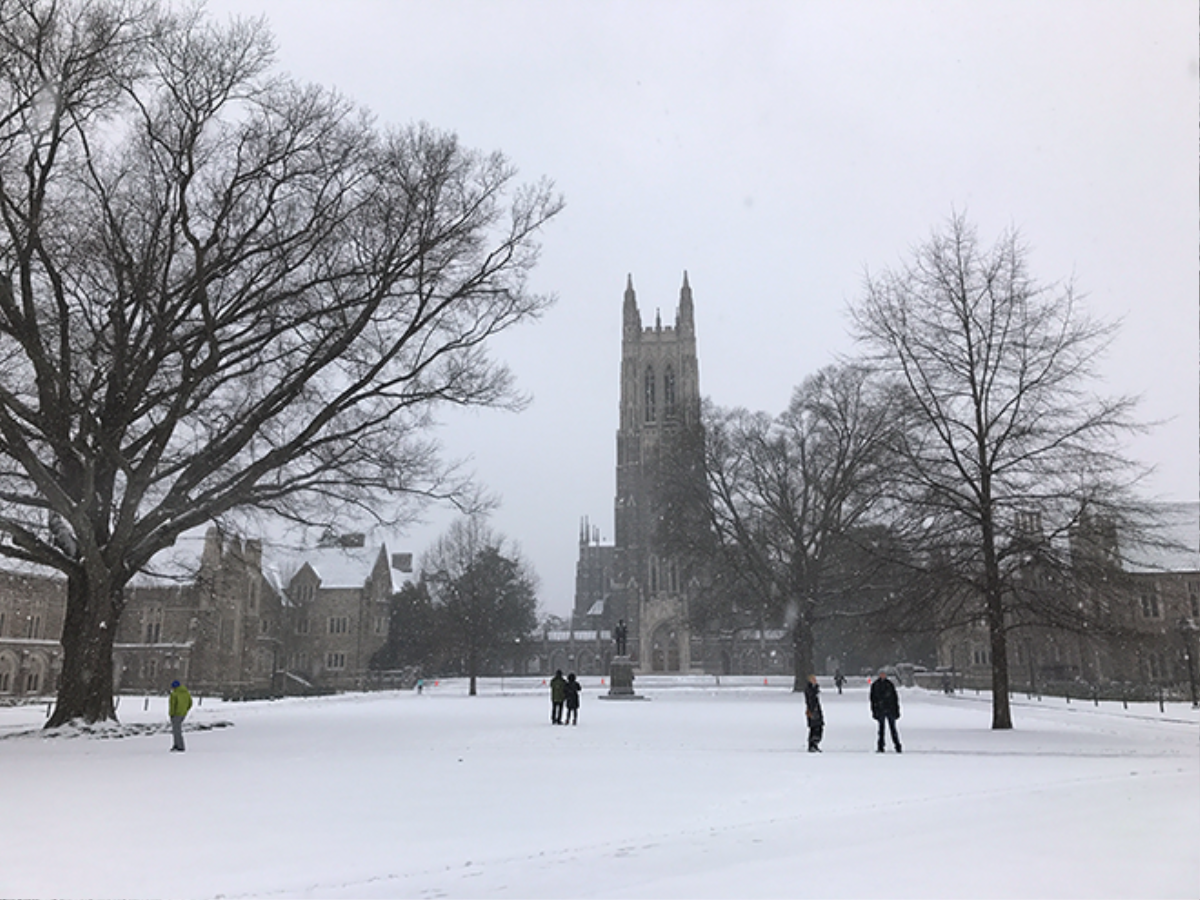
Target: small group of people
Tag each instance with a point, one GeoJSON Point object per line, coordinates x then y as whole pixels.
{"type": "Point", "coordinates": [885, 709]}
{"type": "Point", "coordinates": [564, 695]}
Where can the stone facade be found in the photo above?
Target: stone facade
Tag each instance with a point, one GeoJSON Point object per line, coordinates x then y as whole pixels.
{"type": "Point", "coordinates": [1146, 625]}
{"type": "Point", "coordinates": [32, 607]}
{"type": "Point", "coordinates": [231, 623]}
{"type": "Point", "coordinates": [634, 579]}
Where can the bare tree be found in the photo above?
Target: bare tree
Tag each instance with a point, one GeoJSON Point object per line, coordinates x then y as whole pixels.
{"type": "Point", "coordinates": [780, 495]}
{"type": "Point", "coordinates": [1008, 454]}
{"type": "Point", "coordinates": [223, 290]}
{"type": "Point", "coordinates": [484, 592]}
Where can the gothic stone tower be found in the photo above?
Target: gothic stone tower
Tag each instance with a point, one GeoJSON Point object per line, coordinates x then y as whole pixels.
{"type": "Point", "coordinates": [660, 397]}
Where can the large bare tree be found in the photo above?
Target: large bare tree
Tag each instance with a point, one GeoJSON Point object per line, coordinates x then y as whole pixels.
{"type": "Point", "coordinates": [1008, 453]}
{"type": "Point", "coordinates": [221, 290]}
{"type": "Point", "coordinates": [779, 496]}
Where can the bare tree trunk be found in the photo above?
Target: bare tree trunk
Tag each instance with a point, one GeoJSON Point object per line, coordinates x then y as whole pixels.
{"type": "Point", "coordinates": [86, 687]}
{"type": "Point", "coordinates": [802, 653]}
{"type": "Point", "coordinates": [1001, 709]}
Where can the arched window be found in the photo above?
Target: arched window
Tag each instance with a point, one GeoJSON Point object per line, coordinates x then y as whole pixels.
{"type": "Point", "coordinates": [8, 672]}
{"type": "Point", "coordinates": [669, 391]}
{"type": "Point", "coordinates": [653, 575]}
{"type": "Point", "coordinates": [650, 410]}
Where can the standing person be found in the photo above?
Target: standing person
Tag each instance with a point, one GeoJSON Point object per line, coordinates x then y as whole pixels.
{"type": "Point", "coordinates": [621, 633]}
{"type": "Point", "coordinates": [885, 707]}
{"type": "Point", "coordinates": [558, 693]}
{"type": "Point", "coordinates": [573, 687]}
{"type": "Point", "coordinates": [177, 708]}
{"type": "Point", "coordinates": [816, 718]}
{"type": "Point", "coordinates": [839, 679]}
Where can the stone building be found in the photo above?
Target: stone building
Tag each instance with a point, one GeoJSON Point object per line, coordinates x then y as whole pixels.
{"type": "Point", "coordinates": [635, 578]}
{"type": "Point", "coordinates": [219, 616]}
{"type": "Point", "coordinates": [335, 614]}
{"type": "Point", "coordinates": [1145, 620]}
{"type": "Point", "coordinates": [32, 607]}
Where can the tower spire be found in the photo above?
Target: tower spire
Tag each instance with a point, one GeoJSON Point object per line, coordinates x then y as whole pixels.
{"type": "Point", "coordinates": [632, 318]}
{"type": "Point", "coordinates": [686, 321]}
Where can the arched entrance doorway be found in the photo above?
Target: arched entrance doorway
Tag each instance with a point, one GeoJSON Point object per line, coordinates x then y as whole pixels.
{"type": "Point", "coordinates": [664, 648]}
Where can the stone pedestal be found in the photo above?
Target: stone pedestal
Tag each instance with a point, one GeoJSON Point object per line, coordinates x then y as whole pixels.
{"type": "Point", "coordinates": [620, 680]}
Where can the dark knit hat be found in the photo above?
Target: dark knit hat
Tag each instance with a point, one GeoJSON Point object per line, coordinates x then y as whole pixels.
{"type": "Point", "coordinates": [174, 684]}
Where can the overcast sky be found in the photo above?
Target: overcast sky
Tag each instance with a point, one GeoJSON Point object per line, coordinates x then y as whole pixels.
{"type": "Point", "coordinates": [776, 151]}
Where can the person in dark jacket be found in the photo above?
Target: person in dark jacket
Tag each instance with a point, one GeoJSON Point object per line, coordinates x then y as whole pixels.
{"type": "Point", "coordinates": [178, 705]}
{"type": "Point", "coordinates": [558, 693]}
{"type": "Point", "coordinates": [573, 687]}
{"type": "Point", "coordinates": [812, 710]}
{"type": "Point", "coordinates": [885, 707]}
{"type": "Point", "coordinates": [839, 679]}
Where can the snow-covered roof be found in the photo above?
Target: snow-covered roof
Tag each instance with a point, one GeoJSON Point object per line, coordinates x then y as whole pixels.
{"type": "Point", "coordinates": [337, 567]}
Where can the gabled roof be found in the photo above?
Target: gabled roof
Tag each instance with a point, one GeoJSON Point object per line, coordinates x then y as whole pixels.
{"type": "Point", "coordinates": [336, 567]}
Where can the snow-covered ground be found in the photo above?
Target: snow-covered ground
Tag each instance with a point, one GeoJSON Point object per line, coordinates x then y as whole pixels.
{"type": "Point", "coordinates": [699, 791]}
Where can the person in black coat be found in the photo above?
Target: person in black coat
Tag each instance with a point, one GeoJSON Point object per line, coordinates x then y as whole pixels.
{"type": "Point", "coordinates": [558, 694]}
{"type": "Point", "coordinates": [812, 710]}
{"type": "Point", "coordinates": [885, 707]}
{"type": "Point", "coordinates": [573, 688]}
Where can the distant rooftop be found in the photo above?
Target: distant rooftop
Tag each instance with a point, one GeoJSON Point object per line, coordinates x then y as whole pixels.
{"type": "Point", "coordinates": [1177, 548]}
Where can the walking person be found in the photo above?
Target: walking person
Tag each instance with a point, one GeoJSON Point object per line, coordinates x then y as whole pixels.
{"type": "Point", "coordinates": [839, 679]}
{"type": "Point", "coordinates": [178, 705]}
{"type": "Point", "coordinates": [558, 693]}
{"type": "Point", "coordinates": [885, 708]}
{"type": "Point", "coordinates": [573, 688]}
{"type": "Point", "coordinates": [812, 710]}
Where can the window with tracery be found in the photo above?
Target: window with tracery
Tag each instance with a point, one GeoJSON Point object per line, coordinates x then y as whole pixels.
{"type": "Point", "coordinates": [650, 399]}
{"type": "Point", "coordinates": [669, 391]}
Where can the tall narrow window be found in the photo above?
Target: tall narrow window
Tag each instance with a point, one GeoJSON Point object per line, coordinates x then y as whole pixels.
{"type": "Point", "coordinates": [650, 399]}
{"type": "Point", "coordinates": [669, 392]}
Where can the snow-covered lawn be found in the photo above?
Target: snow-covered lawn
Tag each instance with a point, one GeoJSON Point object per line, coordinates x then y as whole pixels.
{"type": "Point", "coordinates": [698, 791]}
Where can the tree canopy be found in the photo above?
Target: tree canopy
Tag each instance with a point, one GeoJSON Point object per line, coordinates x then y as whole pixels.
{"type": "Point", "coordinates": [483, 592]}
{"type": "Point", "coordinates": [1007, 452]}
{"type": "Point", "coordinates": [778, 497]}
{"type": "Point", "coordinates": [223, 290]}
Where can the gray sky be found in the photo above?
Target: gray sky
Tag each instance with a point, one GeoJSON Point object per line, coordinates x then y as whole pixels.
{"type": "Point", "coordinates": [776, 150]}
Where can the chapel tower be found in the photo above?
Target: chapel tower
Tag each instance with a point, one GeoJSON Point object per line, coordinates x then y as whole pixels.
{"type": "Point", "coordinates": [660, 407]}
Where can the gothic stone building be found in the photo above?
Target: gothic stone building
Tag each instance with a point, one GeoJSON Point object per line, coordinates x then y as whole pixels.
{"type": "Point", "coordinates": [230, 623]}
{"type": "Point", "coordinates": [1148, 618]}
{"type": "Point", "coordinates": [637, 578]}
